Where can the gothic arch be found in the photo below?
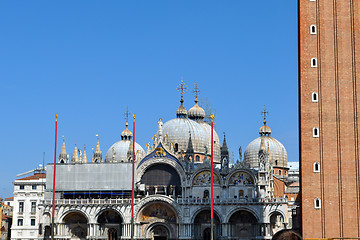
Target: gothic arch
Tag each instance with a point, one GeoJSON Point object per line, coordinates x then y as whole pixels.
{"type": "Point", "coordinates": [236, 209]}
{"type": "Point", "coordinates": [102, 210]}
{"type": "Point", "coordinates": [153, 226]}
{"type": "Point", "coordinates": [141, 169]}
{"type": "Point", "coordinates": [69, 211]}
{"type": "Point", "coordinates": [230, 175]}
{"type": "Point", "coordinates": [194, 215]}
{"type": "Point", "coordinates": [199, 171]}
{"type": "Point", "coordinates": [275, 211]}
{"type": "Point", "coordinates": [147, 201]}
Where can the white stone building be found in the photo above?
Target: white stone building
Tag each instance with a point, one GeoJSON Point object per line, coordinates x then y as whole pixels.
{"type": "Point", "coordinates": [28, 195]}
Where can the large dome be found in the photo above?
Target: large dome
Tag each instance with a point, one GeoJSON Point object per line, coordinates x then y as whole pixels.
{"type": "Point", "coordinates": [118, 152]}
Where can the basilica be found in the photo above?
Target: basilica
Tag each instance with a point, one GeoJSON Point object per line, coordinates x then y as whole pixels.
{"type": "Point", "coordinates": [253, 198]}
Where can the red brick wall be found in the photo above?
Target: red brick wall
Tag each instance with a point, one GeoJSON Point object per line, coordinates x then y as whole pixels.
{"type": "Point", "coordinates": [336, 46]}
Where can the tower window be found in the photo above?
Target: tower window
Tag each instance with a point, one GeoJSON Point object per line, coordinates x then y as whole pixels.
{"type": "Point", "coordinates": [276, 162]}
{"type": "Point", "coordinates": [315, 97]}
{"type": "Point", "coordinates": [313, 29]}
{"type": "Point", "coordinates": [315, 132]}
{"type": "Point", "coordinates": [197, 158]}
{"type": "Point", "coordinates": [314, 62]}
{"type": "Point", "coordinates": [279, 172]}
{"type": "Point", "coordinates": [316, 167]}
{"type": "Point", "coordinates": [317, 203]}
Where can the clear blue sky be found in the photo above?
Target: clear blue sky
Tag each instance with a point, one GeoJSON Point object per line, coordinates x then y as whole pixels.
{"type": "Point", "coordinates": [88, 60]}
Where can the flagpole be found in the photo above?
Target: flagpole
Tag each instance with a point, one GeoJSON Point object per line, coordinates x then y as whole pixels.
{"type": "Point", "coordinates": [53, 200]}
{"type": "Point", "coordinates": [133, 182]}
{"type": "Point", "coordinates": [212, 176]}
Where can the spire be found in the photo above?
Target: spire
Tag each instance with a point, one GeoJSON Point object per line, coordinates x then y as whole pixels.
{"type": "Point", "coordinates": [126, 134]}
{"type": "Point", "coordinates": [181, 111]}
{"type": "Point", "coordinates": [224, 148]}
{"type": "Point", "coordinates": [63, 157]}
{"type": "Point", "coordinates": [265, 130]}
{"type": "Point", "coordinates": [97, 156]}
{"type": "Point", "coordinates": [224, 156]}
{"type": "Point", "coordinates": [84, 160]}
{"type": "Point", "coordinates": [75, 157]}
{"type": "Point", "coordinates": [190, 148]}
{"type": "Point", "coordinates": [196, 112]}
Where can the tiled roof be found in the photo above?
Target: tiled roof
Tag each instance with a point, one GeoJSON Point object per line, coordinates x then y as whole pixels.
{"type": "Point", "coordinates": [36, 176]}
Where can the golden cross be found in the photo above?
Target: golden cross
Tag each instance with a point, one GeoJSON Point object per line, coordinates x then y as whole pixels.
{"type": "Point", "coordinates": [182, 88]}
{"type": "Point", "coordinates": [196, 90]}
{"type": "Point", "coordinates": [264, 113]}
{"type": "Point", "coordinates": [126, 114]}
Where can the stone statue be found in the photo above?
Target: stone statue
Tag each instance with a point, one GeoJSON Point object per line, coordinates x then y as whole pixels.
{"type": "Point", "coordinates": [113, 153]}
{"type": "Point", "coordinates": [80, 154]}
{"type": "Point", "coordinates": [240, 154]}
{"type": "Point", "coordinates": [160, 123]}
{"type": "Point", "coordinates": [206, 153]}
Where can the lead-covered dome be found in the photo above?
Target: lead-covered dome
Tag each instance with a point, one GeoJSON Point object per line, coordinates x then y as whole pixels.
{"type": "Point", "coordinates": [121, 151]}
{"type": "Point", "coordinates": [277, 156]}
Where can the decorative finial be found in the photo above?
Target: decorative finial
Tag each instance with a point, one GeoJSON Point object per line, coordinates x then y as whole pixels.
{"type": "Point", "coordinates": [182, 88]}
{"type": "Point", "coordinates": [126, 114]}
{"type": "Point", "coordinates": [56, 116]}
{"type": "Point", "coordinates": [97, 135]}
{"type": "Point", "coordinates": [196, 91]}
{"type": "Point", "coordinates": [134, 116]}
{"type": "Point", "coordinates": [212, 116]}
{"type": "Point", "coordinates": [224, 135]}
{"type": "Point", "coordinates": [264, 113]}
{"type": "Point", "coordinates": [75, 142]}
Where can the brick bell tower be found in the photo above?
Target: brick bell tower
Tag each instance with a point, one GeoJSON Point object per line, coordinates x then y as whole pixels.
{"type": "Point", "coordinates": [329, 81]}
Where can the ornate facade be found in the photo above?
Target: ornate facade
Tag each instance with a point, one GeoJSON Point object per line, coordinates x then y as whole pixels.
{"type": "Point", "coordinates": [172, 184]}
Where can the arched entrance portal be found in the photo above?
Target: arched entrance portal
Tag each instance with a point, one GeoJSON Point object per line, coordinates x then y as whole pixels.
{"type": "Point", "coordinates": [159, 232]}
{"type": "Point", "coordinates": [76, 225]}
{"type": "Point", "coordinates": [202, 225]}
{"type": "Point", "coordinates": [158, 220]}
{"type": "Point", "coordinates": [276, 222]}
{"type": "Point", "coordinates": [243, 225]}
{"type": "Point", "coordinates": [110, 224]}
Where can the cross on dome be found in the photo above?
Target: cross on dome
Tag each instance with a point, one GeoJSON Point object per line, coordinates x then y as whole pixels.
{"type": "Point", "coordinates": [264, 113]}
{"type": "Point", "coordinates": [182, 88]}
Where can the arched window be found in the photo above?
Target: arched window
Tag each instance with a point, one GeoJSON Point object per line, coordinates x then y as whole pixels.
{"type": "Point", "coordinates": [316, 167]}
{"type": "Point", "coordinates": [176, 147]}
{"type": "Point", "coordinates": [197, 158]}
{"type": "Point", "coordinates": [276, 162]}
{"type": "Point", "coordinates": [314, 62]}
{"type": "Point", "coordinates": [317, 203]}
{"type": "Point", "coordinates": [315, 97]}
{"type": "Point", "coordinates": [206, 194]}
{"type": "Point", "coordinates": [315, 132]}
{"type": "Point", "coordinates": [313, 29]}
{"type": "Point", "coordinates": [279, 172]}
{"type": "Point", "coordinates": [62, 161]}
{"type": "Point", "coordinates": [241, 193]}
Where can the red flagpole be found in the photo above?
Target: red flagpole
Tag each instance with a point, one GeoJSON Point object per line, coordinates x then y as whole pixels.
{"type": "Point", "coordinates": [53, 200]}
{"type": "Point", "coordinates": [212, 176]}
{"type": "Point", "coordinates": [133, 182]}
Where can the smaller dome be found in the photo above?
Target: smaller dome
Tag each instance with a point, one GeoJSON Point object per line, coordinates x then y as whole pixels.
{"type": "Point", "coordinates": [126, 134]}
{"type": "Point", "coordinates": [265, 130]}
{"type": "Point", "coordinates": [119, 151]}
{"type": "Point", "coordinates": [181, 111]}
{"type": "Point", "coordinates": [196, 112]}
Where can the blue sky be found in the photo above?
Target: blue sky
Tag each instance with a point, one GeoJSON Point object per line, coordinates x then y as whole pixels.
{"type": "Point", "coordinates": [88, 60]}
